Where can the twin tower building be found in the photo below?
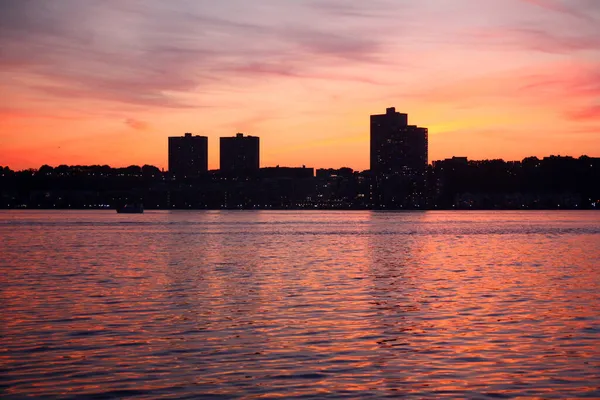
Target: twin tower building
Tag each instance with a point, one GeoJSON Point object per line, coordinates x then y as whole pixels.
{"type": "Point", "coordinates": [397, 150]}
{"type": "Point", "coordinates": [188, 155]}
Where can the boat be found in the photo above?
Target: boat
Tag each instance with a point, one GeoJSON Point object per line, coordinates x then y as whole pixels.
{"type": "Point", "coordinates": [131, 209]}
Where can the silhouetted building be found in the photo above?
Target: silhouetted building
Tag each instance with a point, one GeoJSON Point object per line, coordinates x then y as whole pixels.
{"type": "Point", "coordinates": [188, 155]}
{"type": "Point", "coordinates": [396, 147]}
{"type": "Point", "coordinates": [455, 183]}
{"type": "Point", "coordinates": [334, 173]}
{"type": "Point", "coordinates": [399, 156]}
{"type": "Point", "coordinates": [240, 154]}
{"type": "Point", "coordinates": [287, 172]}
{"type": "Point", "coordinates": [451, 162]}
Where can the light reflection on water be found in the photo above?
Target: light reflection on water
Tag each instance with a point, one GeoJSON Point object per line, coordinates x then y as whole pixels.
{"type": "Point", "coordinates": [355, 304]}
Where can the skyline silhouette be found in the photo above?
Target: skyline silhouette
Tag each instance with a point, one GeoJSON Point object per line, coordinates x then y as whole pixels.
{"type": "Point", "coordinates": [88, 82]}
{"type": "Point", "coordinates": [451, 184]}
{"type": "Point", "coordinates": [395, 147]}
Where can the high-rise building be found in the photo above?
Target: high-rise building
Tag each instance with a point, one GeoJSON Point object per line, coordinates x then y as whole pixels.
{"type": "Point", "coordinates": [396, 147]}
{"type": "Point", "coordinates": [188, 155]}
{"type": "Point", "coordinates": [399, 157]}
{"type": "Point", "coordinates": [240, 154]}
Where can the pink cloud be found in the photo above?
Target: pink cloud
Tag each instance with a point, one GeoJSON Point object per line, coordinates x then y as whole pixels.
{"type": "Point", "coordinates": [559, 7]}
{"type": "Point", "coordinates": [591, 113]}
{"type": "Point", "coordinates": [137, 124]}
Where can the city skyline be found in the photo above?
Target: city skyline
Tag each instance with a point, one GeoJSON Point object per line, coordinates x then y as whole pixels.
{"type": "Point", "coordinates": [390, 136]}
{"type": "Point", "coordinates": [396, 148]}
{"type": "Point", "coordinates": [107, 82]}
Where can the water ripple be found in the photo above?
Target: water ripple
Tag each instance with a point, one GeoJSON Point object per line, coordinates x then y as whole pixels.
{"type": "Point", "coordinates": [299, 304]}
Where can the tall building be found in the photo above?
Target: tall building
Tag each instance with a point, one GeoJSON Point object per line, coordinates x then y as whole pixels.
{"type": "Point", "coordinates": [399, 157]}
{"type": "Point", "coordinates": [396, 147]}
{"type": "Point", "coordinates": [240, 154]}
{"type": "Point", "coordinates": [188, 155]}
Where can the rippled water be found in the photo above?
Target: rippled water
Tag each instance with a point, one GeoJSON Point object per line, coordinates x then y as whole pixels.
{"type": "Point", "coordinates": [290, 304]}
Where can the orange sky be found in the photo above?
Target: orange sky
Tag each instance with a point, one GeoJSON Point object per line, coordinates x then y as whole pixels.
{"type": "Point", "coordinates": [107, 82]}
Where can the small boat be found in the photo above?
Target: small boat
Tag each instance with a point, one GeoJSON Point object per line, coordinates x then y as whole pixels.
{"type": "Point", "coordinates": [131, 209]}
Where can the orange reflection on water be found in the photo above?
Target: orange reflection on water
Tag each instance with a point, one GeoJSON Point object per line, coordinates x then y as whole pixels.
{"type": "Point", "coordinates": [275, 304]}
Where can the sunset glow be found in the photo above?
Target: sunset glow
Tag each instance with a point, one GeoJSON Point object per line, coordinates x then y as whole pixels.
{"type": "Point", "coordinates": [106, 82]}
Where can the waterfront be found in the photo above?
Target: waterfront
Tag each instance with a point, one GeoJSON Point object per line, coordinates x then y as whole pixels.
{"type": "Point", "coordinates": [259, 303]}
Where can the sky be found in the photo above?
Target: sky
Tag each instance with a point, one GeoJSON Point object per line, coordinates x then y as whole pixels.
{"type": "Point", "coordinates": [107, 81]}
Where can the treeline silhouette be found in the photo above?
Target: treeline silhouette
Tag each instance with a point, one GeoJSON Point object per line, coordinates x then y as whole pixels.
{"type": "Point", "coordinates": [549, 183]}
{"type": "Point", "coordinates": [552, 182]}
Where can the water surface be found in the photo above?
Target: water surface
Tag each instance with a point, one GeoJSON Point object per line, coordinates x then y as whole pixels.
{"type": "Point", "coordinates": [299, 304]}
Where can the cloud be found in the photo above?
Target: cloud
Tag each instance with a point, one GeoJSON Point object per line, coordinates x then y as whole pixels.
{"type": "Point", "coordinates": [579, 82]}
{"type": "Point", "coordinates": [347, 46]}
{"type": "Point", "coordinates": [374, 9]}
{"type": "Point", "coordinates": [587, 11]}
{"type": "Point", "coordinates": [541, 39]}
{"type": "Point", "coordinates": [563, 90]}
{"type": "Point", "coordinates": [557, 6]}
{"type": "Point", "coordinates": [566, 28]}
{"type": "Point", "coordinates": [590, 113]}
{"type": "Point", "coordinates": [260, 69]}
{"type": "Point", "coordinates": [10, 113]}
{"type": "Point", "coordinates": [147, 53]}
{"type": "Point", "coordinates": [547, 41]}
{"type": "Point", "coordinates": [62, 42]}
{"type": "Point", "coordinates": [137, 124]}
